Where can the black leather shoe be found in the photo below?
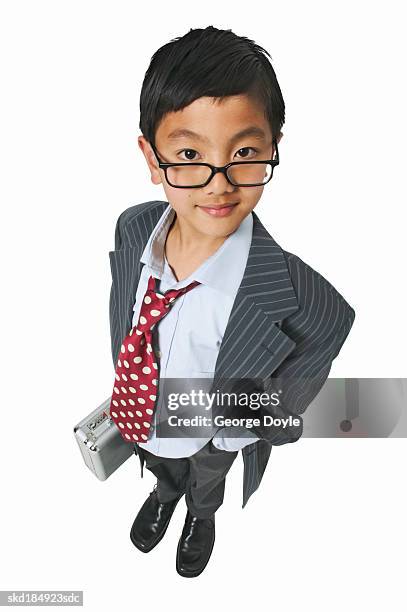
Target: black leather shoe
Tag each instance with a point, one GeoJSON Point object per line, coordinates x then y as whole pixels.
{"type": "Point", "coordinates": [152, 521]}
{"type": "Point", "coordinates": [195, 545]}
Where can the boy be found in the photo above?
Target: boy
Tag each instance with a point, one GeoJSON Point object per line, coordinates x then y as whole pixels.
{"type": "Point", "coordinates": [200, 288]}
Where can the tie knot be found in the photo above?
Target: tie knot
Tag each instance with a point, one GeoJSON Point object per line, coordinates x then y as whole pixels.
{"type": "Point", "coordinates": [155, 305]}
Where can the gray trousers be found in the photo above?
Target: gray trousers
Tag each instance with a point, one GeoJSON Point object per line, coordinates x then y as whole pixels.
{"type": "Point", "coordinates": [201, 477]}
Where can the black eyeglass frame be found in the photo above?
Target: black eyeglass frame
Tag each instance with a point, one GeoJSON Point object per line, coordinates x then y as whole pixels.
{"type": "Point", "coordinates": [223, 169]}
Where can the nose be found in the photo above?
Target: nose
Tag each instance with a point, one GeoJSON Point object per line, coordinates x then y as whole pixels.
{"type": "Point", "coordinates": [219, 183]}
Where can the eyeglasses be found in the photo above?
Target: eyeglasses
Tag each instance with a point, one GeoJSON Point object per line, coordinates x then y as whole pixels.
{"type": "Point", "coordinates": [189, 175]}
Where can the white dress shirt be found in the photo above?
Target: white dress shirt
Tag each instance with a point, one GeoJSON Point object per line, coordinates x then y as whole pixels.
{"type": "Point", "coordinates": [188, 337]}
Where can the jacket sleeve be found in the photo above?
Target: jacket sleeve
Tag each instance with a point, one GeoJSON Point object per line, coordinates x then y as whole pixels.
{"type": "Point", "coordinates": [298, 381]}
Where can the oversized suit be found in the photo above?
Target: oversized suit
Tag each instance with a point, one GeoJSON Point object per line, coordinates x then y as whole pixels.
{"type": "Point", "coordinates": [287, 323]}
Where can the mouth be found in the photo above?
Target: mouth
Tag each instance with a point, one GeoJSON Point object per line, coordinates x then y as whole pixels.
{"type": "Point", "coordinates": [219, 210]}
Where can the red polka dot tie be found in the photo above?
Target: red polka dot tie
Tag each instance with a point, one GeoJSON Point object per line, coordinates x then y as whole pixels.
{"type": "Point", "coordinates": [135, 388]}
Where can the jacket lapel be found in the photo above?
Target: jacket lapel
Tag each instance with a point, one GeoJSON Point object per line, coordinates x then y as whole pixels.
{"type": "Point", "coordinates": [253, 344]}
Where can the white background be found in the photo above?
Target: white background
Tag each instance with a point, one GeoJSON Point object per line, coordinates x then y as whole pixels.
{"type": "Point", "coordinates": [326, 529]}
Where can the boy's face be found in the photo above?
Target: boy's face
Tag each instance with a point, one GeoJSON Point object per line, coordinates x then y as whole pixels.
{"type": "Point", "coordinates": [215, 124]}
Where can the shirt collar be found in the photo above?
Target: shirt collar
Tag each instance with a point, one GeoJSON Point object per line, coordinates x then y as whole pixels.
{"type": "Point", "coordinates": [223, 270]}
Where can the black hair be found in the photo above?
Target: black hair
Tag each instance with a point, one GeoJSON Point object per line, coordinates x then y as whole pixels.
{"type": "Point", "coordinates": [208, 62]}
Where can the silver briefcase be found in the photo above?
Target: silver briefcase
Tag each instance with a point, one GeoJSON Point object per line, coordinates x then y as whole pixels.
{"type": "Point", "coordinates": [103, 448]}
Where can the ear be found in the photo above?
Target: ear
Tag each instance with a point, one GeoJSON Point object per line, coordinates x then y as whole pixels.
{"type": "Point", "coordinates": [150, 159]}
{"type": "Point", "coordinates": [279, 137]}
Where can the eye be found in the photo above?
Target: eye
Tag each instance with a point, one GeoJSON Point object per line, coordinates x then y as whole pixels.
{"type": "Point", "coordinates": [248, 148]}
{"type": "Point", "coordinates": [189, 151]}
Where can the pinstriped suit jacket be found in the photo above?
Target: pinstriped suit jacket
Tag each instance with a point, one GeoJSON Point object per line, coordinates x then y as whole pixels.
{"type": "Point", "coordinates": [287, 322]}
